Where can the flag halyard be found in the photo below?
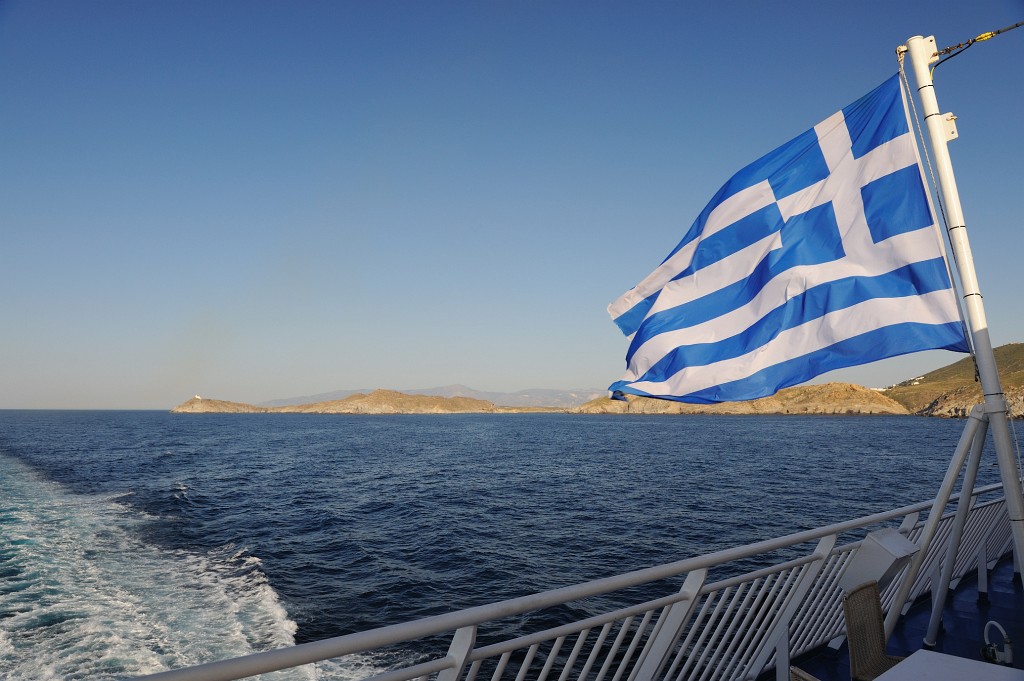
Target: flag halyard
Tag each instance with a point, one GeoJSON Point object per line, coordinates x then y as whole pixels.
{"type": "Point", "coordinates": [823, 254]}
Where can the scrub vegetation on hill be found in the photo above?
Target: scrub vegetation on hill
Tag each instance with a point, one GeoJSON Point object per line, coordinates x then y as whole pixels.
{"type": "Point", "coordinates": [953, 390]}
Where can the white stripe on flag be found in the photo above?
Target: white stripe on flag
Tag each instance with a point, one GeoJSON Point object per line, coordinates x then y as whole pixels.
{"type": "Point", "coordinates": [891, 254]}
{"type": "Point", "coordinates": [931, 308]}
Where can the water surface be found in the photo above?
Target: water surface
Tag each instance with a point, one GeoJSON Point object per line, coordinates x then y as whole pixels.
{"type": "Point", "coordinates": [135, 541]}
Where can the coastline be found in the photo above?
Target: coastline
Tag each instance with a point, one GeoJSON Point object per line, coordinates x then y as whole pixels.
{"type": "Point", "coordinates": [827, 399]}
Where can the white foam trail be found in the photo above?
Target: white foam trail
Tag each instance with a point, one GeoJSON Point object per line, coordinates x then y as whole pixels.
{"type": "Point", "coordinates": [82, 596]}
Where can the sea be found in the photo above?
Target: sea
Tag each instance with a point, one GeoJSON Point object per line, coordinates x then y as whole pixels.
{"type": "Point", "coordinates": [135, 541]}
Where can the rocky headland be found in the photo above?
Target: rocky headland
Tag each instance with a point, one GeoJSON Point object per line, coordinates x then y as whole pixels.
{"type": "Point", "coordinates": [952, 391]}
{"type": "Point", "coordinates": [827, 398]}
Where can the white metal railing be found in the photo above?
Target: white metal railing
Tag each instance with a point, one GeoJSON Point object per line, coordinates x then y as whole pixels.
{"type": "Point", "coordinates": [770, 600]}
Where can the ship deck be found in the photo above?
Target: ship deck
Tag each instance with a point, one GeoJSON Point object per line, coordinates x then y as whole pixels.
{"type": "Point", "coordinates": [963, 625]}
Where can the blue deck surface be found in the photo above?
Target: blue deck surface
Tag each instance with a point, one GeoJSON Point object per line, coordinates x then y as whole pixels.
{"type": "Point", "coordinates": [963, 625]}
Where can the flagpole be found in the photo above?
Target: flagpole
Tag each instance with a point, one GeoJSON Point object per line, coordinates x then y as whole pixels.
{"type": "Point", "coordinates": [922, 53]}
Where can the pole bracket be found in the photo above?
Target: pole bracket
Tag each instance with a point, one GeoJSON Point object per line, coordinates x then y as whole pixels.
{"type": "Point", "coordinates": [949, 126]}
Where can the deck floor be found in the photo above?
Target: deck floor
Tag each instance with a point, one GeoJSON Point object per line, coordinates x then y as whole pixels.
{"type": "Point", "coordinates": [963, 625]}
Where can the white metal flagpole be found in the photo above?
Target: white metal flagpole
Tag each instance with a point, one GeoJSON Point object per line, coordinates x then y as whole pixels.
{"type": "Point", "coordinates": [922, 53]}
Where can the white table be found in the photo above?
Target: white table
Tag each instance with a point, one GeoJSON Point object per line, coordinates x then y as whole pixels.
{"type": "Point", "coordinates": [927, 665]}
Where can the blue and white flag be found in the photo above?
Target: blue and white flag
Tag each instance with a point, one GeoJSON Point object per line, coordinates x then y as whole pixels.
{"type": "Point", "coordinates": [821, 255]}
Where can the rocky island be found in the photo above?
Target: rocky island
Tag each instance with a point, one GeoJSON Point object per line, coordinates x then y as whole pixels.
{"type": "Point", "coordinates": [376, 402]}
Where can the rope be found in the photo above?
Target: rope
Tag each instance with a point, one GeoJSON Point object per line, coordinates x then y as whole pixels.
{"type": "Point", "coordinates": [954, 50]}
{"type": "Point", "coordinates": [1016, 441]}
{"type": "Point", "coordinates": [942, 211]}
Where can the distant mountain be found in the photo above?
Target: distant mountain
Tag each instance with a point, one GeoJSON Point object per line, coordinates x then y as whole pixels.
{"type": "Point", "coordinates": [311, 399]}
{"type": "Point", "coordinates": [535, 397]}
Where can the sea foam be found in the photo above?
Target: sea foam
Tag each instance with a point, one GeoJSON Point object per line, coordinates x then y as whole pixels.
{"type": "Point", "coordinates": [83, 596]}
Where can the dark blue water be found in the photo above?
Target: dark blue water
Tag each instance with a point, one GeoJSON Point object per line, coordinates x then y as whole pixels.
{"type": "Point", "coordinates": [287, 526]}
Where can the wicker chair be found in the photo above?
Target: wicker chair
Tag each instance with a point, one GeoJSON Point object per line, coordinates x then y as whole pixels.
{"type": "Point", "coordinates": [865, 633]}
{"type": "Point", "coordinates": [796, 674]}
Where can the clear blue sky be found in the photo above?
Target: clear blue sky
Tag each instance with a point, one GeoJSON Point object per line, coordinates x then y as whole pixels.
{"type": "Point", "coordinates": [254, 200]}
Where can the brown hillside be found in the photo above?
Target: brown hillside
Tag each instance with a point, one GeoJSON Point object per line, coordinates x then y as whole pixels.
{"type": "Point", "coordinates": [918, 393]}
{"type": "Point", "coordinates": [392, 402]}
{"type": "Point", "coordinates": [828, 398]}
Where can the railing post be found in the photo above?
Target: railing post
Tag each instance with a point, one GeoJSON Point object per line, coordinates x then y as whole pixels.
{"type": "Point", "coordinates": [458, 652]}
{"type": "Point", "coordinates": [782, 659]}
{"type": "Point", "coordinates": [673, 620]}
{"type": "Point", "coordinates": [983, 569]}
{"type": "Point", "coordinates": [778, 637]}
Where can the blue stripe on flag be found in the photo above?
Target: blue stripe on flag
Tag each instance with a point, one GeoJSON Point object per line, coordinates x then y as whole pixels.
{"type": "Point", "coordinates": [900, 339]}
{"type": "Point", "coordinates": [808, 239]}
{"type": "Point", "coordinates": [911, 280]}
{"type": "Point", "coordinates": [829, 222]}
{"type": "Point", "coordinates": [737, 236]}
{"type": "Point", "coordinates": [631, 319]}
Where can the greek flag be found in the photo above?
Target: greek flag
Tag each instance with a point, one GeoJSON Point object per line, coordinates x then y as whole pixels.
{"type": "Point", "coordinates": [821, 255]}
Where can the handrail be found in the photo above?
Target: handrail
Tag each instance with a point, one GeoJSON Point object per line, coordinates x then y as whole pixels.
{"type": "Point", "coordinates": [317, 651]}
